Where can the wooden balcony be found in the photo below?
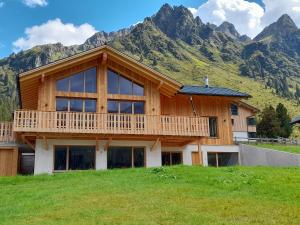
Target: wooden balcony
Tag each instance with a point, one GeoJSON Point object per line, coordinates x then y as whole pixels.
{"type": "Point", "coordinates": [96, 123]}
{"type": "Point", "coordinates": [6, 132]}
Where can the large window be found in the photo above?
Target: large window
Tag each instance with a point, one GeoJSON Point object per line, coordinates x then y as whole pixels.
{"type": "Point", "coordinates": [217, 159]}
{"type": "Point", "coordinates": [84, 81]}
{"type": "Point", "coordinates": [129, 107]}
{"type": "Point", "coordinates": [117, 84]}
{"type": "Point", "coordinates": [171, 158]}
{"type": "Point", "coordinates": [213, 127]}
{"type": "Point", "coordinates": [125, 157]}
{"type": "Point", "coordinates": [76, 105]}
{"type": "Point", "coordinates": [74, 158]}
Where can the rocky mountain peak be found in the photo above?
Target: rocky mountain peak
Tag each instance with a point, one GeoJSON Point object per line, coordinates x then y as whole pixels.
{"type": "Point", "coordinates": [229, 30]}
{"type": "Point", "coordinates": [283, 27]}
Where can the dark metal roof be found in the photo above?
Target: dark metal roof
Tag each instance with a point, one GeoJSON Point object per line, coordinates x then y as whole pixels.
{"type": "Point", "coordinates": [212, 91]}
{"type": "Point", "coordinates": [295, 120]}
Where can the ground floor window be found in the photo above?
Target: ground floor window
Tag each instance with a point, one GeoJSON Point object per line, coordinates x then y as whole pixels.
{"type": "Point", "coordinates": [74, 158]}
{"type": "Point", "coordinates": [222, 159]}
{"type": "Point", "coordinates": [171, 158]}
{"type": "Point", "coordinates": [125, 157]}
{"type": "Point", "coordinates": [252, 135]}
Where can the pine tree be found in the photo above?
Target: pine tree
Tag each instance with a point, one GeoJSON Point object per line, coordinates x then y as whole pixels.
{"type": "Point", "coordinates": [269, 125]}
{"type": "Point", "coordinates": [284, 120]}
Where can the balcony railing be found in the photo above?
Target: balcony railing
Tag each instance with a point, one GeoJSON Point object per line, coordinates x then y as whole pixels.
{"type": "Point", "coordinates": [96, 123]}
{"type": "Point", "coordinates": [6, 132]}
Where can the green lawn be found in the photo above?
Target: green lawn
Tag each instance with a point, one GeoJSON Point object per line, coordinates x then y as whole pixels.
{"type": "Point", "coordinates": [285, 148]}
{"type": "Point", "coordinates": [177, 195]}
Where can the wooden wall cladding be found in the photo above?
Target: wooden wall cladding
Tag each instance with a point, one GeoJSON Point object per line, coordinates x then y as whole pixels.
{"type": "Point", "coordinates": [8, 161]}
{"type": "Point", "coordinates": [219, 107]}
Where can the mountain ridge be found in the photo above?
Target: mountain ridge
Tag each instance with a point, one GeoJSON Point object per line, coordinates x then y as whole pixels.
{"type": "Point", "coordinates": [174, 42]}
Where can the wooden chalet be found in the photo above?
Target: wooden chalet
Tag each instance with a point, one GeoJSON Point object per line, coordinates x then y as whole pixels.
{"type": "Point", "coordinates": [102, 109]}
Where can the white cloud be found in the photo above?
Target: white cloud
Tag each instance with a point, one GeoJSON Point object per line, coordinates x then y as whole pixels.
{"type": "Point", "coordinates": [54, 31]}
{"type": "Point", "coordinates": [275, 8]}
{"type": "Point", "coordinates": [1, 4]}
{"type": "Point", "coordinates": [34, 3]}
{"type": "Point", "coordinates": [248, 17]}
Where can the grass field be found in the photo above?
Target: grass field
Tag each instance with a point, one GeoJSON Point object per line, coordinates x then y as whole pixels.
{"type": "Point", "coordinates": [285, 148]}
{"type": "Point", "coordinates": [174, 195]}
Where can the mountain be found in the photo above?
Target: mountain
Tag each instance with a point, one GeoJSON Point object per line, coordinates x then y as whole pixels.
{"type": "Point", "coordinates": [174, 42]}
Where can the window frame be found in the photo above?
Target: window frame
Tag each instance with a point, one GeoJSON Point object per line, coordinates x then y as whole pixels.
{"type": "Point", "coordinates": [68, 76]}
{"type": "Point", "coordinates": [69, 104]}
{"type": "Point", "coordinates": [68, 155]}
{"type": "Point", "coordinates": [132, 106]}
{"type": "Point", "coordinates": [170, 157]}
{"type": "Point", "coordinates": [235, 110]}
{"type": "Point", "coordinates": [118, 84]}
{"type": "Point", "coordinates": [132, 155]}
{"type": "Point", "coordinates": [217, 127]}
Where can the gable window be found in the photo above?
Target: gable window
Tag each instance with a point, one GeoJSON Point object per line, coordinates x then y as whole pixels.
{"type": "Point", "coordinates": [118, 84]}
{"type": "Point", "coordinates": [85, 81]}
{"type": "Point", "coordinates": [234, 110]}
{"type": "Point", "coordinates": [76, 105]}
{"type": "Point", "coordinates": [213, 127]}
{"type": "Point", "coordinates": [127, 107]}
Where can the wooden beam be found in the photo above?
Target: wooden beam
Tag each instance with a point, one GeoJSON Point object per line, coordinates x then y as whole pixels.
{"type": "Point", "coordinates": [104, 59]}
{"type": "Point", "coordinates": [27, 142]}
{"type": "Point", "coordinates": [43, 78]}
{"type": "Point", "coordinates": [155, 144]}
{"type": "Point", "coordinates": [107, 144]}
{"type": "Point", "coordinates": [161, 83]}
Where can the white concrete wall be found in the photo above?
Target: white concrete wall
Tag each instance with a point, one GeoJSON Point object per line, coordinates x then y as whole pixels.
{"type": "Point", "coordinates": [216, 148]}
{"type": "Point", "coordinates": [44, 161]}
{"type": "Point", "coordinates": [186, 152]}
{"type": "Point", "coordinates": [240, 136]}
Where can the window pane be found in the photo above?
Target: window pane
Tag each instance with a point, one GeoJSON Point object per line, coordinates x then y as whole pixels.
{"type": "Point", "coordinates": [176, 158]}
{"type": "Point", "coordinates": [234, 109]}
{"type": "Point", "coordinates": [213, 132]}
{"type": "Point", "coordinates": [228, 159]}
{"type": "Point", "coordinates": [138, 89]}
{"type": "Point", "coordinates": [60, 158]}
{"type": "Point", "coordinates": [63, 84]}
{"type": "Point", "coordinates": [61, 104]}
{"type": "Point", "coordinates": [90, 105]}
{"type": "Point", "coordinates": [81, 157]}
{"type": "Point", "coordinates": [165, 158]}
{"type": "Point", "coordinates": [119, 157]}
{"type": "Point", "coordinates": [139, 107]}
{"type": "Point", "coordinates": [113, 107]}
{"type": "Point", "coordinates": [139, 157]}
{"type": "Point", "coordinates": [125, 107]}
{"type": "Point", "coordinates": [90, 81]}
{"type": "Point", "coordinates": [125, 86]}
{"type": "Point", "coordinates": [211, 159]}
{"type": "Point", "coordinates": [113, 83]}
{"type": "Point", "coordinates": [76, 105]}
{"type": "Point", "coordinates": [77, 82]}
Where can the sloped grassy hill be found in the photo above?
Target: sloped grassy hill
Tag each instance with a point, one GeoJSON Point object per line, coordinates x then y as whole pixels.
{"type": "Point", "coordinates": [171, 195]}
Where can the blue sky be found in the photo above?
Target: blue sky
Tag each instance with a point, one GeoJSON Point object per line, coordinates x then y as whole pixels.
{"type": "Point", "coordinates": [97, 15]}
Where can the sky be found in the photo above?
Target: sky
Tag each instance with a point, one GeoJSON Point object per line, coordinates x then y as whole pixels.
{"type": "Point", "coordinates": [26, 23]}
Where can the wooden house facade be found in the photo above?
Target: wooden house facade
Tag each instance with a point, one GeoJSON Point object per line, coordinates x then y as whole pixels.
{"type": "Point", "coordinates": [102, 109]}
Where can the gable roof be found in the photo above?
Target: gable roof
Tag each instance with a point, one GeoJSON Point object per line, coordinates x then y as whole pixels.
{"type": "Point", "coordinates": [295, 120]}
{"type": "Point", "coordinates": [212, 91]}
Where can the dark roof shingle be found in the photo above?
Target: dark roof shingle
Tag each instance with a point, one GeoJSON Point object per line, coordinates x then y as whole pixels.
{"type": "Point", "coordinates": [211, 91]}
